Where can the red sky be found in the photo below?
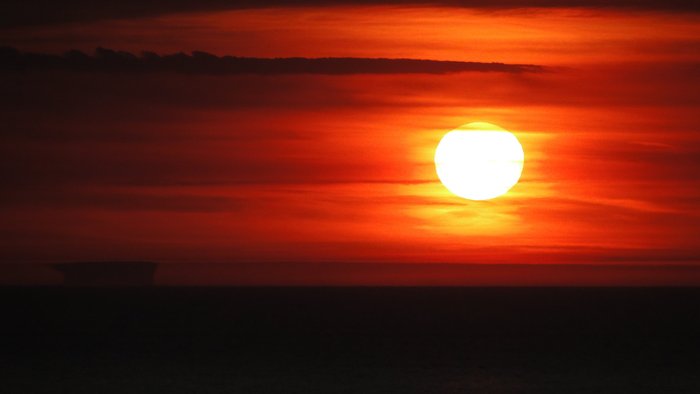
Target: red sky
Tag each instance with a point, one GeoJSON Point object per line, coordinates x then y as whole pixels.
{"type": "Point", "coordinates": [288, 168]}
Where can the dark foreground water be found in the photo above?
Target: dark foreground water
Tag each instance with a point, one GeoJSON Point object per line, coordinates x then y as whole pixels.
{"type": "Point", "coordinates": [350, 340]}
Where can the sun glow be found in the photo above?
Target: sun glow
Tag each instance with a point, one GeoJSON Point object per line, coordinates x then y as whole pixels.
{"type": "Point", "coordinates": [479, 161]}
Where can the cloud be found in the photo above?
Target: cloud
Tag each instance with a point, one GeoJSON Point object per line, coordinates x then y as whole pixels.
{"type": "Point", "coordinates": [15, 13]}
{"type": "Point", "coordinates": [422, 274]}
{"type": "Point", "coordinates": [107, 60]}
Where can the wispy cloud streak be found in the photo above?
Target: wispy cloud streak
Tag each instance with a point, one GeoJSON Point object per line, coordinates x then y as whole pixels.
{"type": "Point", "coordinates": [36, 12]}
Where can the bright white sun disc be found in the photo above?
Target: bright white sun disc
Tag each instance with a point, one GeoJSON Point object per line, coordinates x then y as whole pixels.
{"type": "Point", "coordinates": [479, 161]}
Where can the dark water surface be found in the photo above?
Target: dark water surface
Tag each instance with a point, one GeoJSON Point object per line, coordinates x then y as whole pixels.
{"type": "Point", "coordinates": [350, 340]}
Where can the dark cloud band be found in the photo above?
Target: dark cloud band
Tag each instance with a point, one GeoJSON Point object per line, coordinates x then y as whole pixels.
{"type": "Point", "coordinates": [106, 60]}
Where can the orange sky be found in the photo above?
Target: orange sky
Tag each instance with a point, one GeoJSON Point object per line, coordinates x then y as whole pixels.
{"type": "Point", "coordinates": [318, 168]}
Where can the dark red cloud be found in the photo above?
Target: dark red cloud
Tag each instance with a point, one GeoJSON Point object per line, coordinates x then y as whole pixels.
{"type": "Point", "coordinates": [382, 274]}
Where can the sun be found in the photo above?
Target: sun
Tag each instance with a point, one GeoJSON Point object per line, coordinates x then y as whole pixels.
{"type": "Point", "coordinates": [479, 161]}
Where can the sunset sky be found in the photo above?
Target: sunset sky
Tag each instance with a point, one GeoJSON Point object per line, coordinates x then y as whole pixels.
{"type": "Point", "coordinates": [129, 158]}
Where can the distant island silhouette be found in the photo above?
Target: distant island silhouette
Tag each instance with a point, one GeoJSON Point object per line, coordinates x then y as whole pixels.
{"type": "Point", "coordinates": [107, 273]}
